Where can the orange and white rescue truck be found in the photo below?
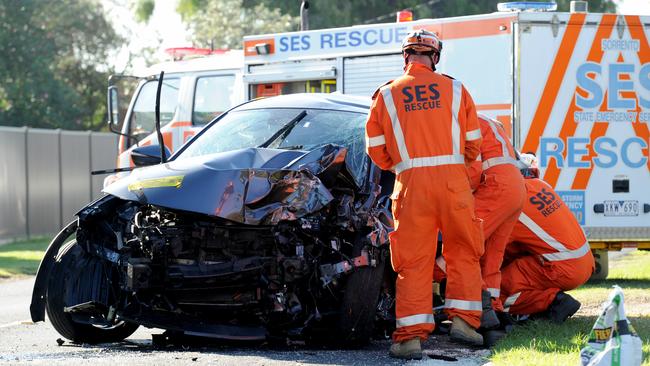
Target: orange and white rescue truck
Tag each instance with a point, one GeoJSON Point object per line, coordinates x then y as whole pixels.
{"type": "Point", "coordinates": [573, 88]}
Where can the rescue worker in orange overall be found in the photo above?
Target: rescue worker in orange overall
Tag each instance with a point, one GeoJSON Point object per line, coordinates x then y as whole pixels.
{"type": "Point", "coordinates": [424, 127]}
{"type": "Point", "coordinates": [548, 254]}
{"type": "Point", "coordinates": [499, 198]}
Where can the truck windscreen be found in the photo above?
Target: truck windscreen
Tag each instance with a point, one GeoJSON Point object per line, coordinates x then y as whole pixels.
{"type": "Point", "coordinates": [142, 122]}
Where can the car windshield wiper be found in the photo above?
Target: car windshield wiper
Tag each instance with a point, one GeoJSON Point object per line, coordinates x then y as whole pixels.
{"type": "Point", "coordinates": [285, 130]}
{"type": "Point", "coordinates": [292, 147]}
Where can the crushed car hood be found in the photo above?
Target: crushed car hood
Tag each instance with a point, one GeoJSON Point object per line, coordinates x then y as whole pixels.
{"type": "Point", "coordinates": [253, 186]}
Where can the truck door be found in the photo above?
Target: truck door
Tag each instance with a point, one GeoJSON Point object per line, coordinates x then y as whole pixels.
{"type": "Point", "coordinates": [141, 118]}
{"type": "Point", "coordinates": [584, 98]}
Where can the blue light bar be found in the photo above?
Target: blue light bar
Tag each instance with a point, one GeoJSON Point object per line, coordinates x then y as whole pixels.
{"type": "Point", "coordinates": [527, 6]}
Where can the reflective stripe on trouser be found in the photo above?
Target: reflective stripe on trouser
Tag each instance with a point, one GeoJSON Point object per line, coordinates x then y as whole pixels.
{"type": "Point", "coordinates": [529, 286]}
{"type": "Point", "coordinates": [419, 210]}
{"type": "Point", "coordinates": [499, 200]}
{"type": "Point", "coordinates": [414, 320]}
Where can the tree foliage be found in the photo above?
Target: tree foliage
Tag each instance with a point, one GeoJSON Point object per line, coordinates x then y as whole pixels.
{"type": "Point", "coordinates": [595, 6]}
{"type": "Point", "coordinates": [223, 23]}
{"type": "Point", "coordinates": [339, 13]}
{"type": "Point", "coordinates": [54, 63]}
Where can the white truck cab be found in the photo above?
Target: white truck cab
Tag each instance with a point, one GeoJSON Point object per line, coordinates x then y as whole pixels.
{"type": "Point", "coordinates": [195, 90]}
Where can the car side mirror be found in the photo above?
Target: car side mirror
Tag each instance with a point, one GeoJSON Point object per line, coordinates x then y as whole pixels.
{"type": "Point", "coordinates": [147, 155]}
{"type": "Point", "coordinates": [113, 107]}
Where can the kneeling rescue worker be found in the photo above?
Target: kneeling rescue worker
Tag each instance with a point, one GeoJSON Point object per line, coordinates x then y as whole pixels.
{"type": "Point", "coordinates": [499, 200]}
{"type": "Point", "coordinates": [548, 254]}
{"type": "Point", "coordinates": [424, 127]}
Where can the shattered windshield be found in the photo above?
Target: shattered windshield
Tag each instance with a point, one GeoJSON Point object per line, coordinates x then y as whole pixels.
{"type": "Point", "coordinates": [251, 128]}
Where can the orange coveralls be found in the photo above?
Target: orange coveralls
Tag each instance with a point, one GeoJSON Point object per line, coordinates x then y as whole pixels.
{"type": "Point", "coordinates": [424, 127]}
{"type": "Point", "coordinates": [499, 199]}
{"type": "Point", "coordinates": [550, 251]}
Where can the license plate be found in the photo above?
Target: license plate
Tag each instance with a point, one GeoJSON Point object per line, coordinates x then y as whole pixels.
{"type": "Point", "coordinates": [621, 208]}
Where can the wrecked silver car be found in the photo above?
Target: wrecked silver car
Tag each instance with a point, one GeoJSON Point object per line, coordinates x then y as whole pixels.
{"type": "Point", "coordinates": [271, 223]}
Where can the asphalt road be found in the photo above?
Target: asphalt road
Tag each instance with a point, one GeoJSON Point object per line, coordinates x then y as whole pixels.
{"type": "Point", "coordinates": [22, 342]}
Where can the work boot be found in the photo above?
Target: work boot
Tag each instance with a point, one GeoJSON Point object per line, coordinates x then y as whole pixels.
{"type": "Point", "coordinates": [489, 319]}
{"type": "Point", "coordinates": [507, 322]}
{"type": "Point", "coordinates": [462, 332]}
{"type": "Point", "coordinates": [407, 350]}
{"type": "Point", "coordinates": [562, 307]}
{"type": "Point", "coordinates": [491, 337]}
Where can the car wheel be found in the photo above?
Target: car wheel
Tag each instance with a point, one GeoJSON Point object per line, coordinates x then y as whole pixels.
{"type": "Point", "coordinates": [359, 307]}
{"type": "Point", "coordinates": [601, 257]}
{"type": "Point", "coordinates": [59, 284]}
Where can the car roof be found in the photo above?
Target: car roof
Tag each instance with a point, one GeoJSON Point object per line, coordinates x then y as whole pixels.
{"type": "Point", "coordinates": [334, 101]}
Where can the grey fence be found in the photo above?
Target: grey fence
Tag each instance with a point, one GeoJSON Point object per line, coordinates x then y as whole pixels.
{"type": "Point", "coordinates": [45, 177]}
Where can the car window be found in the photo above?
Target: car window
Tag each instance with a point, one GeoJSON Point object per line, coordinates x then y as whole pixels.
{"type": "Point", "coordinates": [143, 120]}
{"type": "Point", "coordinates": [251, 128]}
{"type": "Point", "coordinates": [213, 95]}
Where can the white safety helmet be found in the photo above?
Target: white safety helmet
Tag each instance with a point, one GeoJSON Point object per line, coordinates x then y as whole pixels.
{"type": "Point", "coordinates": [422, 42]}
{"type": "Point", "coordinates": [528, 166]}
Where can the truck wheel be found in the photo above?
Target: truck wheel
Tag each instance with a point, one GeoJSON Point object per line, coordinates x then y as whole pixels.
{"type": "Point", "coordinates": [601, 257]}
{"type": "Point", "coordinates": [359, 307]}
{"type": "Point", "coordinates": [59, 285]}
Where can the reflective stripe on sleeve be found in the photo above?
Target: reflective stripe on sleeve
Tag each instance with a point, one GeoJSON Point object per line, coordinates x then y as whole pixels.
{"type": "Point", "coordinates": [440, 261]}
{"type": "Point", "coordinates": [510, 301]}
{"type": "Point", "coordinates": [397, 128]}
{"type": "Point", "coordinates": [428, 162]}
{"type": "Point", "coordinates": [463, 305]}
{"type": "Point", "coordinates": [414, 320]}
{"type": "Point", "coordinates": [375, 141]}
{"type": "Point", "coordinates": [489, 163]}
{"type": "Point", "coordinates": [494, 292]}
{"type": "Point", "coordinates": [473, 135]}
{"type": "Point", "coordinates": [563, 252]}
{"type": "Point", "coordinates": [537, 230]}
{"type": "Point", "coordinates": [455, 110]}
{"type": "Point", "coordinates": [504, 147]}
{"type": "Point", "coordinates": [572, 254]}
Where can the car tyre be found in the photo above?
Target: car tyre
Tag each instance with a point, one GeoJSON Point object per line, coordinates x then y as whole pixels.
{"type": "Point", "coordinates": [601, 258]}
{"type": "Point", "coordinates": [359, 306]}
{"type": "Point", "coordinates": [70, 254]}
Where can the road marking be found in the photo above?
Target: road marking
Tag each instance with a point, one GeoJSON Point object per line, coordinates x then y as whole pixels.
{"type": "Point", "coordinates": [19, 322]}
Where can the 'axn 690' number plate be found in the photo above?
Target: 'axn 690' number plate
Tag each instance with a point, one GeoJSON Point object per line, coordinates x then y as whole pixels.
{"type": "Point", "coordinates": [621, 208]}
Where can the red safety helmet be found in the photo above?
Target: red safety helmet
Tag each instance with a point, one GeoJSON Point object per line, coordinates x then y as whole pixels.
{"type": "Point", "coordinates": [421, 42]}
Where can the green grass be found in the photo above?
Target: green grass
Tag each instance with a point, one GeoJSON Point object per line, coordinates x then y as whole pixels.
{"type": "Point", "coordinates": [543, 343]}
{"type": "Point", "coordinates": [22, 257]}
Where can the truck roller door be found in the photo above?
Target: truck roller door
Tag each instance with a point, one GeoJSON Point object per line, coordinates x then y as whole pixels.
{"type": "Point", "coordinates": [362, 75]}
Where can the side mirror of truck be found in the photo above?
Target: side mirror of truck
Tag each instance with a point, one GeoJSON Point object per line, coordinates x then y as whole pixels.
{"type": "Point", "coordinates": [113, 108]}
{"type": "Point", "coordinates": [147, 155]}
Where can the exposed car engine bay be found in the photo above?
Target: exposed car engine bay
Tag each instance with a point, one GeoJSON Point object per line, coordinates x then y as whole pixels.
{"type": "Point", "coordinates": [284, 277]}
